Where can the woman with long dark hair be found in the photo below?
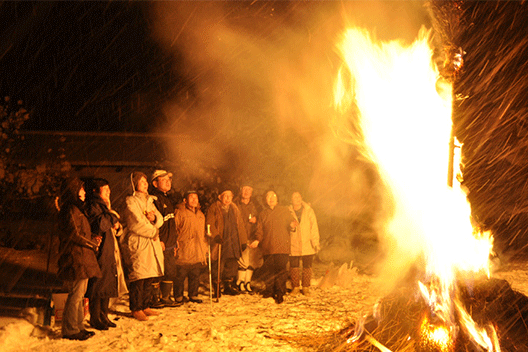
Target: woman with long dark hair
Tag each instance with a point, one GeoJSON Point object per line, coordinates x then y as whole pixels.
{"type": "Point", "coordinates": [105, 225]}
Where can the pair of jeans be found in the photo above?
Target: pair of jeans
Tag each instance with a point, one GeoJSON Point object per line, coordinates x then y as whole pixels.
{"type": "Point", "coordinates": [73, 315]}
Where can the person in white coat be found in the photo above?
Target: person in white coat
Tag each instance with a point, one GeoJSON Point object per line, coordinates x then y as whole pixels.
{"type": "Point", "coordinates": [304, 244]}
{"type": "Point", "coordinates": [142, 247]}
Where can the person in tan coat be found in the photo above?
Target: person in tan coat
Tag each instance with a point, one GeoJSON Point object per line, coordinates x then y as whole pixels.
{"type": "Point", "coordinates": [191, 255]}
{"type": "Point", "coordinates": [304, 244]}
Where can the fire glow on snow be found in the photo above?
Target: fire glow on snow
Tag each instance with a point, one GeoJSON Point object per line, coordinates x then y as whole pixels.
{"type": "Point", "coordinates": [405, 118]}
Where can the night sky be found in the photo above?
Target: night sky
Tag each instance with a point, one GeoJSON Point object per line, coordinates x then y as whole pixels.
{"type": "Point", "coordinates": [246, 81]}
{"type": "Point", "coordinates": [83, 66]}
{"type": "Point", "coordinates": [100, 66]}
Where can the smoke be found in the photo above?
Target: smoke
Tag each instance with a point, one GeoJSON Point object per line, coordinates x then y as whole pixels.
{"type": "Point", "coordinates": [258, 95]}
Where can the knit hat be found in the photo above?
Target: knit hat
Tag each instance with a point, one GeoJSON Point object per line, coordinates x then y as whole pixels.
{"type": "Point", "coordinates": [246, 183]}
{"type": "Point", "coordinates": [189, 192]}
{"type": "Point", "coordinates": [224, 188]}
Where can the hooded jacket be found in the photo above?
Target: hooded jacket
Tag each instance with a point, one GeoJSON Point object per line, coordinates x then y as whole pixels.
{"type": "Point", "coordinates": [305, 238]}
{"type": "Point", "coordinates": [77, 259]}
{"type": "Point", "coordinates": [141, 244]}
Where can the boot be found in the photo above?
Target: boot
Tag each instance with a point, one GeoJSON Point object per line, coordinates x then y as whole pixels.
{"type": "Point", "coordinates": [104, 313]}
{"type": "Point", "coordinates": [156, 302]}
{"type": "Point", "coordinates": [249, 289]}
{"type": "Point", "coordinates": [306, 280]}
{"type": "Point", "coordinates": [295, 279]}
{"type": "Point", "coordinates": [230, 288]}
{"type": "Point", "coordinates": [241, 281]}
{"type": "Point", "coordinates": [279, 298]}
{"type": "Point", "coordinates": [166, 288]}
{"type": "Point", "coordinates": [94, 307]}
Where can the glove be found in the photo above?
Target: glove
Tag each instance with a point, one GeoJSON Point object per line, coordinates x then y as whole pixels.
{"type": "Point", "coordinates": [217, 239]}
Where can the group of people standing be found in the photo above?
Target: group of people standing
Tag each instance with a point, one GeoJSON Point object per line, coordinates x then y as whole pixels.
{"type": "Point", "coordinates": [162, 244]}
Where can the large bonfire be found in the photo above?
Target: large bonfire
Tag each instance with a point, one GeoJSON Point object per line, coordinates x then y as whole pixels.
{"type": "Point", "coordinates": [402, 106]}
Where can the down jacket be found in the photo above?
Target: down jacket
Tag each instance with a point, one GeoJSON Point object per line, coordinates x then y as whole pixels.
{"type": "Point", "coordinates": [190, 227]}
{"type": "Point", "coordinates": [305, 238]}
{"type": "Point", "coordinates": [141, 244]}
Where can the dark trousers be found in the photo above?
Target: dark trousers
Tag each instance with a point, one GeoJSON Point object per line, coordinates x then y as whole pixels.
{"type": "Point", "coordinates": [276, 273]}
{"type": "Point", "coordinates": [192, 273]}
{"type": "Point", "coordinates": [307, 261]}
{"type": "Point", "coordinates": [171, 269]}
{"type": "Point", "coordinates": [140, 293]}
{"type": "Point", "coordinates": [228, 269]}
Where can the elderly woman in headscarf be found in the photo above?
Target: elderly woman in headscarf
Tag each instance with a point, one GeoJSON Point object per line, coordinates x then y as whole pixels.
{"type": "Point", "coordinates": [105, 224]}
{"type": "Point", "coordinates": [143, 254]}
{"type": "Point", "coordinates": [77, 261]}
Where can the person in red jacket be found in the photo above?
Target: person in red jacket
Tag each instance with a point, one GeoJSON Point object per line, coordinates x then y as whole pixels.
{"type": "Point", "coordinates": [273, 235]}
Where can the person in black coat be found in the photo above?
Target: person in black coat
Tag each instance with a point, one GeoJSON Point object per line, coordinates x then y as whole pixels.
{"type": "Point", "coordinates": [161, 186]}
{"type": "Point", "coordinates": [77, 261]}
{"type": "Point", "coordinates": [104, 222]}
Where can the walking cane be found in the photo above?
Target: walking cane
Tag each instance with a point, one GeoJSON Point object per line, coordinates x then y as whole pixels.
{"type": "Point", "coordinates": [210, 275]}
{"type": "Point", "coordinates": [219, 267]}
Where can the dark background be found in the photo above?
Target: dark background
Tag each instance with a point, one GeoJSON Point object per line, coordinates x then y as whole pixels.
{"type": "Point", "coordinates": [107, 67]}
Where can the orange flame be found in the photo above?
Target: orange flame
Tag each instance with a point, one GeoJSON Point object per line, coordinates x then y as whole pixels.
{"type": "Point", "coordinates": [405, 118]}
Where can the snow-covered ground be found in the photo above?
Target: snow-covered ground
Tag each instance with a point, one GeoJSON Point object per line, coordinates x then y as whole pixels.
{"type": "Point", "coordinates": [236, 323]}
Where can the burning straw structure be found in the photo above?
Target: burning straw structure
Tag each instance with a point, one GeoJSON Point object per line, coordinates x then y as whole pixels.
{"type": "Point", "coordinates": [448, 303]}
{"type": "Point", "coordinates": [398, 322]}
{"type": "Point", "coordinates": [490, 109]}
